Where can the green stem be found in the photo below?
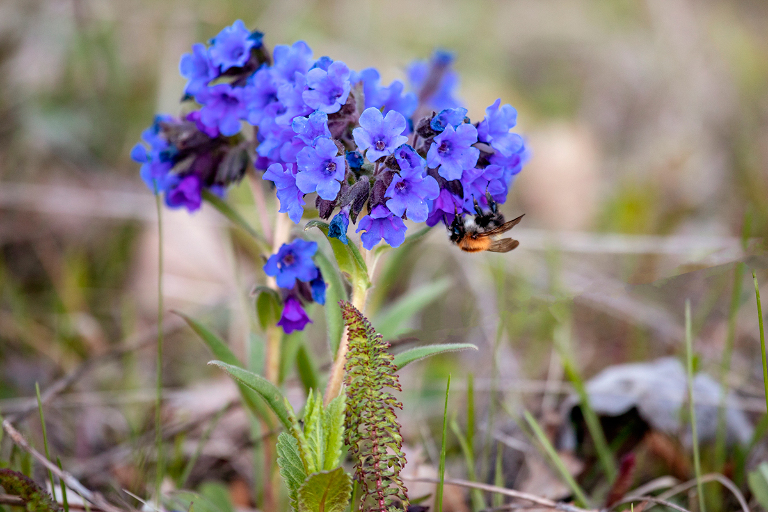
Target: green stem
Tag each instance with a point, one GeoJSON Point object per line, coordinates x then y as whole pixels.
{"type": "Point", "coordinates": [159, 391]}
{"type": "Point", "coordinates": [45, 438]}
{"type": "Point", "coordinates": [441, 467]}
{"type": "Point", "coordinates": [762, 338]}
{"type": "Point", "coordinates": [692, 404]}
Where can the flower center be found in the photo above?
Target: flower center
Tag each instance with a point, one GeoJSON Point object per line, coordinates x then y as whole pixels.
{"type": "Point", "coordinates": [401, 186]}
{"type": "Point", "coordinates": [288, 260]}
{"type": "Point", "coordinates": [238, 52]}
{"type": "Point", "coordinates": [335, 93]}
{"type": "Point", "coordinates": [330, 167]}
{"type": "Point", "coordinates": [380, 145]}
{"type": "Point", "coordinates": [230, 100]}
{"type": "Point", "coordinates": [444, 147]}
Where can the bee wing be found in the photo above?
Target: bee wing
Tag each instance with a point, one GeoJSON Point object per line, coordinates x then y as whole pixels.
{"type": "Point", "coordinates": [503, 245]}
{"type": "Point", "coordinates": [504, 227]}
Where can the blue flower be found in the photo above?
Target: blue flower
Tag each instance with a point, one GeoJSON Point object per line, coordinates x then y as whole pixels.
{"type": "Point", "coordinates": [294, 318]}
{"type": "Point", "coordinates": [394, 99]}
{"type": "Point", "coordinates": [291, 96]}
{"type": "Point", "coordinates": [293, 262]}
{"type": "Point", "coordinates": [477, 183]}
{"type": "Point", "coordinates": [289, 60]}
{"type": "Point", "coordinates": [320, 169]}
{"type": "Point", "coordinates": [452, 150]}
{"type": "Point", "coordinates": [372, 91]}
{"type": "Point", "coordinates": [442, 97]}
{"type": "Point", "coordinates": [232, 46]}
{"type": "Point", "coordinates": [339, 224]}
{"type": "Point", "coordinates": [323, 63]}
{"type": "Point", "coordinates": [328, 90]}
{"type": "Point", "coordinates": [187, 192]}
{"type": "Point", "coordinates": [259, 92]}
{"type": "Point", "coordinates": [381, 223]}
{"type": "Point", "coordinates": [291, 198]}
{"type": "Point", "coordinates": [444, 208]}
{"type": "Point", "coordinates": [317, 285]}
{"type": "Point", "coordinates": [410, 189]}
{"type": "Point", "coordinates": [494, 129]}
{"type": "Point", "coordinates": [197, 68]}
{"type": "Point", "coordinates": [378, 134]}
{"type": "Point", "coordinates": [308, 129]}
{"type": "Point", "coordinates": [449, 116]}
{"type": "Point", "coordinates": [222, 107]}
{"type": "Point", "coordinates": [355, 160]}
{"type": "Point", "coordinates": [157, 162]}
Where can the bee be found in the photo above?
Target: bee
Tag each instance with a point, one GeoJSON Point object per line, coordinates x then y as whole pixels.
{"type": "Point", "coordinates": [478, 233]}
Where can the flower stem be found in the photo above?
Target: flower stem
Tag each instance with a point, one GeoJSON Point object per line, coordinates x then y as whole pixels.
{"type": "Point", "coordinates": [159, 395]}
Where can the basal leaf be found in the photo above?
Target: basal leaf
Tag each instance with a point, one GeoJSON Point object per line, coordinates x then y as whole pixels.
{"type": "Point", "coordinates": [326, 491]}
{"type": "Point", "coordinates": [313, 431]}
{"type": "Point", "coordinates": [333, 295]}
{"type": "Point", "coordinates": [333, 428]}
{"type": "Point", "coordinates": [263, 387]}
{"type": "Point", "coordinates": [414, 354]}
{"type": "Point", "coordinates": [291, 467]}
{"type": "Point", "coordinates": [347, 256]}
{"type": "Point", "coordinates": [34, 497]}
{"type": "Point", "coordinates": [221, 350]}
{"type": "Point", "coordinates": [390, 321]}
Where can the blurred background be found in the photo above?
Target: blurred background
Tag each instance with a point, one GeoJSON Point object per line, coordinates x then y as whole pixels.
{"type": "Point", "coordinates": [648, 125]}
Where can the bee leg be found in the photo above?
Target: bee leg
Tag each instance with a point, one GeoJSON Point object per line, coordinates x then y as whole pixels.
{"type": "Point", "coordinates": [477, 206]}
{"type": "Point", "coordinates": [491, 203]}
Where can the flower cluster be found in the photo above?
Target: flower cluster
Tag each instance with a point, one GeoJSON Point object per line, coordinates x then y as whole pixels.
{"type": "Point", "coordinates": [299, 278]}
{"type": "Point", "coordinates": [387, 152]}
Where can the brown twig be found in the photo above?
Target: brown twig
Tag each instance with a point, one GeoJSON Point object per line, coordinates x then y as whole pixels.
{"type": "Point", "coordinates": [648, 499]}
{"type": "Point", "coordinates": [69, 480]}
{"type": "Point", "coordinates": [544, 502]}
{"type": "Point", "coordinates": [709, 477]}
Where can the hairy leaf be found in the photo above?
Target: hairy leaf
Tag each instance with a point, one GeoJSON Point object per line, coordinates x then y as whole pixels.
{"type": "Point", "coordinates": [415, 354]}
{"type": "Point", "coordinates": [263, 387]}
{"type": "Point", "coordinates": [220, 350]}
{"type": "Point", "coordinates": [326, 491]}
{"type": "Point", "coordinates": [291, 467]}
{"type": "Point", "coordinates": [313, 432]}
{"type": "Point", "coordinates": [391, 320]}
{"type": "Point", "coordinates": [333, 427]}
{"type": "Point", "coordinates": [34, 497]}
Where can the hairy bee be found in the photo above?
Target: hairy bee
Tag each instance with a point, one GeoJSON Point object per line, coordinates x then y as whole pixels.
{"type": "Point", "coordinates": [478, 233]}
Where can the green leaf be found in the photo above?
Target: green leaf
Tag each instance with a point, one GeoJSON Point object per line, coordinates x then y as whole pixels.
{"type": "Point", "coordinates": [313, 432]}
{"type": "Point", "coordinates": [758, 484]}
{"type": "Point", "coordinates": [218, 494]}
{"type": "Point", "coordinates": [389, 322]}
{"type": "Point", "coordinates": [306, 368]}
{"type": "Point", "coordinates": [34, 497]}
{"type": "Point", "coordinates": [221, 350]}
{"type": "Point", "coordinates": [334, 294]}
{"type": "Point", "coordinates": [263, 387]}
{"type": "Point", "coordinates": [333, 427]}
{"type": "Point", "coordinates": [415, 354]}
{"type": "Point", "coordinates": [268, 307]}
{"type": "Point", "coordinates": [291, 467]}
{"type": "Point", "coordinates": [191, 501]}
{"type": "Point", "coordinates": [326, 491]}
{"type": "Point", "coordinates": [347, 256]}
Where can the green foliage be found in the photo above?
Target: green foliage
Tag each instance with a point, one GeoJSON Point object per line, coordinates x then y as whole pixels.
{"type": "Point", "coordinates": [291, 466]}
{"type": "Point", "coordinates": [371, 429]}
{"type": "Point", "coordinates": [334, 293]}
{"type": "Point", "coordinates": [347, 256]}
{"type": "Point", "coordinates": [326, 491]}
{"type": "Point", "coordinates": [268, 306]}
{"type": "Point", "coordinates": [392, 320]}
{"type": "Point", "coordinates": [415, 354]}
{"type": "Point", "coordinates": [35, 498]}
{"type": "Point", "coordinates": [758, 484]}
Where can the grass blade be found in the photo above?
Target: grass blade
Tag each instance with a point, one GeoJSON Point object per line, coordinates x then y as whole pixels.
{"type": "Point", "coordinates": [475, 494]}
{"type": "Point", "coordinates": [45, 438]}
{"type": "Point", "coordinates": [581, 498]}
{"type": "Point", "coordinates": [64, 500]}
{"type": "Point", "coordinates": [762, 338]}
{"type": "Point", "coordinates": [441, 467]}
{"type": "Point", "coordinates": [692, 404]}
{"type": "Point", "coordinates": [404, 358]}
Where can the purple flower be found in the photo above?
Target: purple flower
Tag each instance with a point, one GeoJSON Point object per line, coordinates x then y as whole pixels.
{"type": "Point", "coordinates": [222, 107]}
{"type": "Point", "coordinates": [453, 151]}
{"type": "Point", "coordinates": [449, 116]}
{"type": "Point", "coordinates": [339, 224]}
{"type": "Point", "coordinates": [419, 71]}
{"type": "Point", "coordinates": [378, 134]}
{"type": "Point", "coordinates": [157, 162]}
{"type": "Point", "coordinates": [294, 318]}
{"type": "Point", "coordinates": [409, 191]}
{"type": "Point", "coordinates": [394, 99]}
{"type": "Point", "coordinates": [317, 285]}
{"type": "Point", "coordinates": [372, 91]}
{"type": "Point", "coordinates": [308, 129]}
{"type": "Point", "coordinates": [494, 129]}
{"type": "Point", "coordinates": [289, 60]}
{"type": "Point", "coordinates": [381, 223]}
{"type": "Point", "coordinates": [293, 262]}
{"type": "Point", "coordinates": [477, 183]}
{"type": "Point", "coordinates": [328, 90]}
{"type": "Point", "coordinates": [291, 95]}
{"type": "Point", "coordinates": [291, 198]}
{"type": "Point", "coordinates": [197, 68]}
{"type": "Point", "coordinates": [187, 193]}
{"type": "Point", "coordinates": [210, 131]}
{"type": "Point", "coordinates": [259, 93]}
{"type": "Point", "coordinates": [320, 169]}
{"type": "Point", "coordinates": [273, 140]}
{"type": "Point", "coordinates": [232, 46]}
{"type": "Point", "coordinates": [444, 208]}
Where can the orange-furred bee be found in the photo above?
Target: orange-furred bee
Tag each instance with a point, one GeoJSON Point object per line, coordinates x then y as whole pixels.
{"type": "Point", "coordinates": [478, 233]}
